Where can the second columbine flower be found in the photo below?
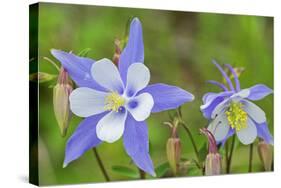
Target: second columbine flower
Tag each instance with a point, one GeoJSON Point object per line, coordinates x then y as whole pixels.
{"type": "Point", "coordinates": [231, 111]}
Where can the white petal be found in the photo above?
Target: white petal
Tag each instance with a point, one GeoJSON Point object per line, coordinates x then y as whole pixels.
{"type": "Point", "coordinates": [111, 127]}
{"type": "Point", "coordinates": [220, 107]}
{"type": "Point", "coordinates": [85, 102]}
{"type": "Point", "coordinates": [248, 134]}
{"type": "Point", "coordinates": [137, 78]}
{"type": "Point", "coordinates": [140, 107]}
{"type": "Point", "coordinates": [241, 94]}
{"type": "Point", "coordinates": [255, 112]}
{"type": "Point", "coordinates": [106, 74]}
{"type": "Point", "coordinates": [219, 127]}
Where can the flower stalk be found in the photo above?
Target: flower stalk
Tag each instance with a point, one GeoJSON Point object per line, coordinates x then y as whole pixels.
{"type": "Point", "coordinates": [250, 157]}
{"type": "Point", "coordinates": [100, 163]}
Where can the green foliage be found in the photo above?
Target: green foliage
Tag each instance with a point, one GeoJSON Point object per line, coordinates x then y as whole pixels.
{"type": "Point", "coordinates": [125, 171]}
{"type": "Point", "coordinates": [162, 169]}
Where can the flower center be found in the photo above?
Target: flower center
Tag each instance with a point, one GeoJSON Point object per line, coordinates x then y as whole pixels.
{"type": "Point", "coordinates": [236, 116]}
{"type": "Point", "coordinates": [114, 101]}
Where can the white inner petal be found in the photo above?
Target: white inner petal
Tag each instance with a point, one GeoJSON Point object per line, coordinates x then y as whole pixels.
{"type": "Point", "coordinates": [241, 94]}
{"type": "Point", "coordinates": [105, 73]}
{"type": "Point", "coordinates": [85, 102]}
{"type": "Point", "coordinates": [255, 112]}
{"type": "Point", "coordinates": [140, 107]}
{"type": "Point", "coordinates": [219, 127]}
{"type": "Point", "coordinates": [220, 107]}
{"type": "Point", "coordinates": [111, 127]}
{"type": "Point", "coordinates": [138, 77]}
{"type": "Point", "coordinates": [248, 135]}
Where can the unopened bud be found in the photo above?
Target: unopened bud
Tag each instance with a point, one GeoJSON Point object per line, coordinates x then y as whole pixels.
{"type": "Point", "coordinates": [117, 52]}
{"type": "Point", "coordinates": [173, 148]}
{"type": "Point", "coordinates": [266, 155]}
{"type": "Point", "coordinates": [173, 153]}
{"type": "Point", "coordinates": [213, 160]}
{"type": "Point", "coordinates": [213, 164]}
{"type": "Point", "coordinates": [61, 93]}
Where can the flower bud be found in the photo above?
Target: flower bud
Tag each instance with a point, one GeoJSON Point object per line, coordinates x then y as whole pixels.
{"type": "Point", "coordinates": [173, 148]}
{"type": "Point", "coordinates": [173, 153]}
{"type": "Point", "coordinates": [213, 160]}
{"type": "Point", "coordinates": [117, 52]}
{"type": "Point", "coordinates": [213, 164]}
{"type": "Point", "coordinates": [61, 93]}
{"type": "Point", "coordinates": [266, 155]}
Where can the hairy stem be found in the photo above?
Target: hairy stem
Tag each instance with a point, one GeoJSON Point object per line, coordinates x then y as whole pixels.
{"type": "Point", "coordinates": [101, 164]}
{"type": "Point", "coordinates": [251, 157]}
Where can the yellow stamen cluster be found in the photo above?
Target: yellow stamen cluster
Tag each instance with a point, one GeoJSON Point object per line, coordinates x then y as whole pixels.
{"type": "Point", "coordinates": [114, 101]}
{"type": "Point", "coordinates": [236, 116]}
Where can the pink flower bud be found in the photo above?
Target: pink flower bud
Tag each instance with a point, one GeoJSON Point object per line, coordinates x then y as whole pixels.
{"type": "Point", "coordinates": [213, 164]}
{"type": "Point", "coordinates": [266, 155]}
{"type": "Point", "coordinates": [213, 160]}
{"type": "Point", "coordinates": [61, 93]}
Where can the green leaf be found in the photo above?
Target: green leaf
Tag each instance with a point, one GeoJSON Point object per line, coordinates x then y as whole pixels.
{"type": "Point", "coordinates": [84, 52]}
{"type": "Point", "coordinates": [162, 169]}
{"type": "Point", "coordinates": [194, 171]}
{"type": "Point", "coordinates": [125, 171]}
{"type": "Point", "coordinates": [203, 151]}
{"type": "Point", "coordinates": [41, 77]}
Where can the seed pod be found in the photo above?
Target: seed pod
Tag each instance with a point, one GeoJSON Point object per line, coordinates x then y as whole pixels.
{"type": "Point", "coordinates": [61, 93]}
{"type": "Point", "coordinates": [266, 155]}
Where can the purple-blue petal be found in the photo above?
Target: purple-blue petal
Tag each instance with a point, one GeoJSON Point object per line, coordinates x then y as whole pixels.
{"type": "Point", "coordinates": [79, 68]}
{"type": "Point", "coordinates": [211, 101]}
{"type": "Point", "coordinates": [167, 97]}
{"type": "Point", "coordinates": [237, 82]}
{"type": "Point", "coordinates": [208, 96]}
{"type": "Point", "coordinates": [83, 139]}
{"type": "Point", "coordinates": [135, 139]}
{"type": "Point", "coordinates": [263, 132]}
{"type": "Point", "coordinates": [226, 77]}
{"type": "Point", "coordinates": [134, 50]}
{"type": "Point", "coordinates": [220, 85]}
{"type": "Point", "coordinates": [259, 91]}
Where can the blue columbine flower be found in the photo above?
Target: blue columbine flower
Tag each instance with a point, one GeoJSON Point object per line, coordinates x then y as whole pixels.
{"type": "Point", "coordinates": [232, 111]}
{"type": "Point", "coordinates": [116, 101]}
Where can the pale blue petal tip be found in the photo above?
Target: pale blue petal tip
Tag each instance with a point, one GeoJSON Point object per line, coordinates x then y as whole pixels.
{"type": "Point", "coordinates": [64, 165]}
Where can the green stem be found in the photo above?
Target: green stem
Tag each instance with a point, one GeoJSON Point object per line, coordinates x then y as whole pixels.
{"type": "Point", "coordinates": [52, 63]}
{"type": "Point", "coordinates": [230, 155]}
{"type": "Point", "coordinates": [101, 165]}
{"type": "Point", "coordinates": [226, 155]}
{"type": "Point", "coordinates": [142, 174]}
{"type": "Point", "coordinates": [192, 141]}
{"type": "Point", "coordinates": [250, 157]}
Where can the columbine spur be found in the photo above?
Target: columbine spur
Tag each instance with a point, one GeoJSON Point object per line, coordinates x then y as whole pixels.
{"type": "Point", "coordinates": [232, 111]}
{"type": "Point", "coordinates": [116, 101]}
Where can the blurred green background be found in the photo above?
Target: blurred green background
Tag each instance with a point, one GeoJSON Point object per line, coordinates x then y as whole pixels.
{"type": "Point", "coordinates": [179, 47]}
